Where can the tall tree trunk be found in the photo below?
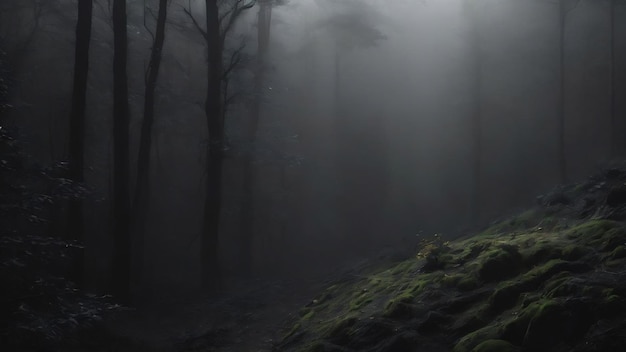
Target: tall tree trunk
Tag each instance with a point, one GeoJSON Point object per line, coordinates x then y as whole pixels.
{"type": "Point", "coordinates": [121, 174]}
{"type": "Point", "coordinates": [215, 125]}
{"type": "Point", "coordinates": [77, 130]}
{"type": "Point", "coordinates": [141, 202]}
{"type": "Point", "coordinates": [615, 135]}
{"type": "Point", "coordinates": [562, 155]}
{"type": "Point", "coordinates": [247, 212]}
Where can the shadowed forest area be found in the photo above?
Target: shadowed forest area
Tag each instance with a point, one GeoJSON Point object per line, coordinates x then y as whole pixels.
{"type": "Point", "coordinates": [312, 175]}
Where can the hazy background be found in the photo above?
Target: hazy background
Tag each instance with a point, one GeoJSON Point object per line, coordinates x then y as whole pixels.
{"type": "Point", "coordinates": [365, 136]}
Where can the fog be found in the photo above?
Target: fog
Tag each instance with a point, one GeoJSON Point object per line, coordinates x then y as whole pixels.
{"type": "Point", "coordinates": [365, 141]}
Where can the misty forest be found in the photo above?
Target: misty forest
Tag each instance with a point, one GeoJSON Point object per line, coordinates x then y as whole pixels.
{"type": "Point", "coordinates": [313, 175]}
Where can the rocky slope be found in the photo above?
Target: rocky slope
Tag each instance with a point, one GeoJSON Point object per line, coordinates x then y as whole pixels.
{"type": "Point", "coordinates": [550, 279]}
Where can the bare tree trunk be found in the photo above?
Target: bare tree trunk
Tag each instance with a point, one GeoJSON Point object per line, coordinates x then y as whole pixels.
{"type": "Point", "coordinates": [121, 174]}
{"type": "Point", "coordinates": [615, 135]}
{"type": "Point", "coordinates": [215, 125]}
{"type": "Point", "coordinates": [77, 130]}
{"type": "Point", "coordinates": [141, 202]}
{"type": "Point", "coordinates": [247, 212]}
{"type": "Point", "coordinates": [562, 155]}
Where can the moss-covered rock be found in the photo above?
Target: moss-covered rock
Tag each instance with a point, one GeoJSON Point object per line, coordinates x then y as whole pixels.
{"type": "Point", "coordinates": [549, 279]}
{"type": "Point", "coordinates": [501, 263]}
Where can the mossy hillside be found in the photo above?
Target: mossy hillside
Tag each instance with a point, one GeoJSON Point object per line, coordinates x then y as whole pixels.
{"type": "Point", "coordinates": [546, 280]}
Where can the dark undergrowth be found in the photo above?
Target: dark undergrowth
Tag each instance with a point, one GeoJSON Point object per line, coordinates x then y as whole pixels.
{"type": "Point", "coordinates": [40, 307]}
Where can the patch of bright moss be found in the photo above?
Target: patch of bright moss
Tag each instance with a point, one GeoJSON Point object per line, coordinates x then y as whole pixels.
{"type": "Point", "coordinates": [361, 300]}
{"type": "Point", "coordinates": [592, 229]}
{"type": "Point", "coordinates": [543, 272]}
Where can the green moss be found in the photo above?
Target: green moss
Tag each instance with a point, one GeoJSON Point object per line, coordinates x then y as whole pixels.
{"type": "Point", "coordinates": [590, 230]}
{"type": "Point", "coordinates": [574, 252]}
{"type": "Point", "coordinates": [453, 280]}
{"type": "Point", "coordinates": [541, 252]}
{"type": "Point", "coordinates": [340, 328]}
{"type": "Point", "coordinates": [375, 281]}
{"type": "Point", "coordinates": [548, 322]}
{"type": "Point", "coordinates": [520, 284]}
{"type": "Point", "coordinates": [293, 330]}
{"type": "Point", "coordinates": [492, 231]}
{"type": "Point", "coordinates": [304, 311]}
{"type": "Point", "coordinates": [308, 315]}
{"type": "Point", "coordinates": [473, 249]}
{"type": "Point", "coordinates": [362, 299]}
{"type": "Point", "coordinates": [562, 286]}
{"type": "Point", "coordinates": [506, 295]}
{"type": "Point", "coordinates": [543, 272]}
{"type": "Point", "coordinates": [500, 263]}
{"type": "Point", "coordinates": [468, 342]}
{"type": "Point", "coordinates": [495, 346]}
{"type": "Point", "coordinates": [468, 282]}
{"type": "Point", "coordinates": [404, 267]}
{"type": "Point", "coordinates": [515, 329]}
{"type": "Point", "coordinates": [400, 306]}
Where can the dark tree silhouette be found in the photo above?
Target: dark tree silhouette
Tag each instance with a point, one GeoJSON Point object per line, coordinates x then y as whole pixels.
{"type": "Point", "coordinates": [121, 174]}
{"type": "Point", "coordinates": [77, 128]}
{"type": "Point", "coordinates": [141, 201]}
{"type": "Point", "coordinates": [247, 211]}
{"type": "Point", "coordinates": [215, 157]}
{"type": "Point", "coordinates": [218, 25]}
{"type": "Point", "coordinates": [616, 136]}
{"type": "Point", "coordinates": [562, 154]}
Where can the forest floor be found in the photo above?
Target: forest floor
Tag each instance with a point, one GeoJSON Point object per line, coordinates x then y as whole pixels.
{"type": "Point", "coordinates": [251, 315]}
{"type": "Point", "coordinates": [552, 278]}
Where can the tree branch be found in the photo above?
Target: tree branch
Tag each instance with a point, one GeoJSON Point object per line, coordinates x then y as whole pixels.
{"type": "Point", "coordinates": [145, 24]}
{"type": "Point", "coordinates": [233, 14]}
{"type": "Point", "coordinates": [235, 59]}
{"type": "Point", "coordinates": [204, 34]}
